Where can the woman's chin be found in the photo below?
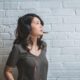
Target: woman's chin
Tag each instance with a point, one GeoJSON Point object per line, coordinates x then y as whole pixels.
{"type": "Point", "coordinates": [40, 34]}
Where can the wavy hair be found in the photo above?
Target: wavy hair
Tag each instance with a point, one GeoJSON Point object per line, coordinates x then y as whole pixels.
{"type": "Point", "coordinates": [23, 30]}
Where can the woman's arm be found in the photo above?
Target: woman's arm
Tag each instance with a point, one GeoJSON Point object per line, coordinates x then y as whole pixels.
{"type": "Point", "coordinates": [11, 62]}
{"type": "Point", "coordinates": [8, 73]}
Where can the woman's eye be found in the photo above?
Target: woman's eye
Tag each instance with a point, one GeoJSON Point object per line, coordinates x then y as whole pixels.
{"type": "Point", "coordinates": [38, 23]}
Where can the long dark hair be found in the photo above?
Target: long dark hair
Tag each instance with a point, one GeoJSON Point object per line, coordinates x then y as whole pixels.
{"type": "Point", "coordinates": [22, 32]}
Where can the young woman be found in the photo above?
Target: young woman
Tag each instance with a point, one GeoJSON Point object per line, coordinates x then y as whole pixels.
{"type": "Point", "coordinates": [29, 50]}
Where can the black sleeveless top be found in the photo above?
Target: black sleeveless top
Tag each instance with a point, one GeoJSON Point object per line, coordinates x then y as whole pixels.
{"type": "Point", "coordinates": [30, 66]}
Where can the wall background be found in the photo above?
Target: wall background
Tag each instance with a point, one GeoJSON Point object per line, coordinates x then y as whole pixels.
{"type": "Point", "coordinates": [62, 21]}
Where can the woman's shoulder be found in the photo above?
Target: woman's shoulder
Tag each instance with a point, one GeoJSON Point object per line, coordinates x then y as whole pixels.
{"type": "Point", "coordinates": [20, 48]}
{"type": "Point", "coordinates": [44, 43]}
{"type": "Point", "coordinates": [16, 46]}
{"type": "Point", "coordinates": [44, 46]}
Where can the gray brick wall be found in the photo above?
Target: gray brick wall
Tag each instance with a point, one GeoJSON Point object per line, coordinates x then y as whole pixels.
{"type": "Point", "coordinates": [62, 21]}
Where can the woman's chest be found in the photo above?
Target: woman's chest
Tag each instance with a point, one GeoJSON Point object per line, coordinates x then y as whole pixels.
{"type": "Point", "coordinates": [27, 58]}
{"type": "Point", "coordinates": [32, 60]}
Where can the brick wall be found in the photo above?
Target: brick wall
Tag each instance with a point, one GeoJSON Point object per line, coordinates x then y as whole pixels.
{"type": "Point", "coordinates": [62, 21]}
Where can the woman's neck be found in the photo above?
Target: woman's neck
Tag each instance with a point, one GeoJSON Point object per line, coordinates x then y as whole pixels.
{"type": "Point", "coordinates": [34, 40]}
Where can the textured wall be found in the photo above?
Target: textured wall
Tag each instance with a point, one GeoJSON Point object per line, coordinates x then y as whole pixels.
{"type": "Point", "coordinates": [62, 21]}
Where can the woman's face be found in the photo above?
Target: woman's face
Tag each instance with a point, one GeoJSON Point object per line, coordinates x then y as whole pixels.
{"type": "Point", "coordinates": [37, 28]}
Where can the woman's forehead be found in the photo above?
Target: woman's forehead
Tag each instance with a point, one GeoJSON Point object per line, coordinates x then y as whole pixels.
{"type": "Point", "coordinates": [35, 19]}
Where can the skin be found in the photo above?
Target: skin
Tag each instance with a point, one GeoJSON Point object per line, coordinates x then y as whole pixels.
{"type": "Point", "coordinates": [37, 30]}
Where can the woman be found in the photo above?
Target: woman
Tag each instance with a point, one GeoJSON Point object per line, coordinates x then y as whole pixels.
{"type": "Point", "coordinates": [29, 51]}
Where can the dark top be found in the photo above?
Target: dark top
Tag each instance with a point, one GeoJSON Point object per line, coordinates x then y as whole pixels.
{"type": "Point", "coordinates": [30, 66]}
